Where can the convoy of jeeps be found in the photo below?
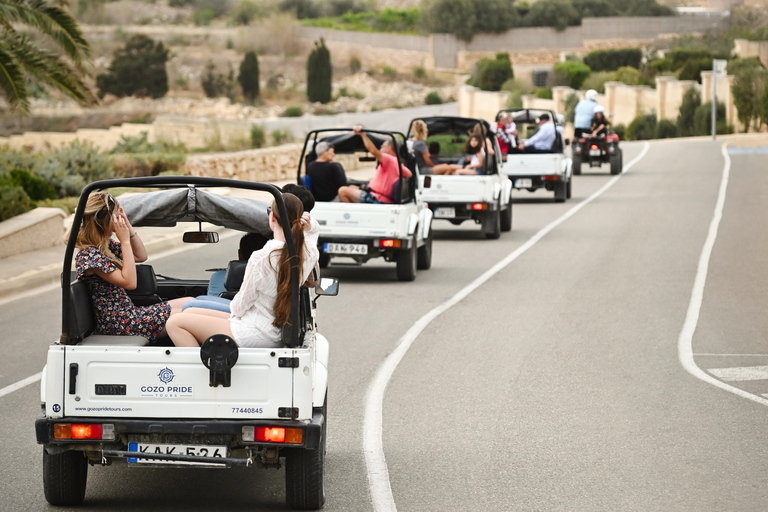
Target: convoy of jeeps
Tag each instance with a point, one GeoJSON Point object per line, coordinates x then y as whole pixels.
{"type": "Point", "coordinates": [125, 400]}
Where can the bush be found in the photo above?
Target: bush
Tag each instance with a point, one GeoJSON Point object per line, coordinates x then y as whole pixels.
{"type": "Point", "coordinates": [13, 201]}
{"type": "Point", "coordinates": [465, 18]}
{"type": "Point", "coordinates": [138, 69]}
{"type": "Point", "coordinates": [747, 90]}
{"type": "Point", "coordinates": [389, 71]}
{"type": "Point", "coordinates": [596, 8]}
{"type": "Point", "coordinates": [319, 74]}
{"type": "Point", "coordinates": [34, 186]}
{"type": "Point", "coordinates": [544, 93]}
{"type": "Point", "coordinates": [702, 121]}
{"type": "Point", "coordinates": [71, 167]}
{"type": "Point", "coordinates": [680, 56]}
{"type": "Point", "coordinates": [355, 65]}
{"type": "Point", "coordinates": [691, 101]}
{"type": "Point", "coordinates": [245, 11]}
{"type": "Point", "coordinates": [693, 68]}
{"type": "Point", "coordinates": [666, 129]}
{"type": "Point", "coordinates": [628, 75]}
{"type": "Point", "coordinates": [596, 81]}
{"type": "Point", "coordinates": [420, 73]}
{"type": "Point", "coordinates": [620, 130]}
{"type": "Point", "coordinates": [643, 127]}
{"type": "Point", "coordinates": [572, 74]}
{"type": "Point", "coordinates": [569, 106]}
{"type": "Point", "coordinates": [433, 98]}
{"type": "Point", "coordinates": [490, 74]}
{"type": "Point", "coordinates": [258, 136]}
{"type": "Point", "coordinates": [301, 8]}
{"type": "Point", "coordinates": [217, 85]}
{"type": "Point", "coordinates": [249, 77]}
{"type": "Point", "coordinates": [203, 17]}
{"type": "Point", "coordinates": [611, 60]}
{"type": "Point", "coordinates": [281, 136]}
{"type": "Point", "coordinates": [293, 111]}
{"type": "Point", "coordinates": [558, 14]}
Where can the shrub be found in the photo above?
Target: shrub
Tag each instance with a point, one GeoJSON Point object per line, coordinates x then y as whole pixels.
{"type": "Point", "coordinates": [319, 74]}
{"type": "Point", "coordinates": [628, 75]}
{"type": "Point", "coordinates": [544, 93]}
{"type": "Point", "coordinates": [420, 73]}
{"type": "Point", "coordinates": [258, 136]}
{"type": "Point", "coordinates": [747, 90]}
{"type": "Point", "coordinates": [693, 68]}
{"type": "Point", "coordinates": [620, 130]}
{"type": "Point", "coordinates": [217, 85]}
{"type": "Point", "coordinates": [666, 129]}
{"type": "Point", "coordinates": [13, 201]}
{"type": "Point", "coordinates": [596, 81]}
{"type": "Point", "coordinates": [249, 77]}
{"type": "Point", "coordinates": [596, 8]}
{"type": "Point", "coordinates": [245, 11]}
{"type": "Point", "coordinates": [35, 187]}
{"type": "Point", "coordinates": [138, 69]}
{"type": "Point", "coordinates": [355, 65]}
{"type": "Point", "coordinates": [702, 121]}
{"type": "Point", "coordinates": [433, 98]}
{"type": "Point", "coordinates": [569, 106]}
{"type": "Point", "coordinates": [611, 60]}
{"type": "Point", "coordinates": [71, 167]}
{"type": "Point", "coordinates": [490, 74]}
{"type": "Point", "coordinates": [389, 71]}
{"type": "Point", "coordinates": [281, 136]}
{"type": "Point", "coordinates": [558, 14]}
{"type": "Point", "coordinates": [691, 101]}
{"type": "Point", "coordinates": [465, 18]}
{"type": "Point", "coordinates": [301, 8]}
{"type": "Point", "coordinates": [203, 17]}
{"type": "Point", "coordinates": [643, 127]}
{"type": "Point", "coordinates": [572, 74]}
{"type": "Point", "coordinates": [293, 111]}
{"type": "Point", "coordinates": [679, 56]}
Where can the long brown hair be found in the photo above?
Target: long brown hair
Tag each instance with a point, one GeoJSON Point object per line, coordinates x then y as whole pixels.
{"type": "Point", "coordinates": [472, 150]}
{"type": "Point", "coordinates": [283, 300]}
{"type": "Point", "coordinates": [96, 227]}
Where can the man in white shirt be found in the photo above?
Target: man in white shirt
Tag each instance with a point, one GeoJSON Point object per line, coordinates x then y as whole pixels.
{"type": "Point", "coordinates": [543, 140]}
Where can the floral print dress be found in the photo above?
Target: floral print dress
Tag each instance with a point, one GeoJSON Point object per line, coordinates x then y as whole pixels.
{"type": "Point", "coordinates": [114, 310]}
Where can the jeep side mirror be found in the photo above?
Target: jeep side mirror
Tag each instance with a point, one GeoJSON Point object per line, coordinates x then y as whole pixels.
{"type": "Point", "coordinates": [327, 286]}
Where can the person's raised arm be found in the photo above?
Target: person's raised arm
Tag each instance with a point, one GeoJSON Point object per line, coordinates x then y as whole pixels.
{"type": "Point", "coordinates": [369, 145]}
{"type": "Point", "coordinates": [123, 277]}
{"type": "Point", "coordinates": [139, 251]}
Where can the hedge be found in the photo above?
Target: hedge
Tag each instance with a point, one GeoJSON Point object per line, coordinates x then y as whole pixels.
{"type": "Point", "coordinates": [571, 74]}
{"type": "Point", "coordinates": [611, 60]}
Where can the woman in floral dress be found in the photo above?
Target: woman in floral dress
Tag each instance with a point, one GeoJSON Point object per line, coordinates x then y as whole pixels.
{"type": "Point", "coordinates": [108, 267]}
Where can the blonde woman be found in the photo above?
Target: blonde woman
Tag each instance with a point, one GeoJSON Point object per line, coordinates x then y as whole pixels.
{"type": "Point", "coordinates": [108, 268]}
{"type": "Point", "coordinates": [421, 152]}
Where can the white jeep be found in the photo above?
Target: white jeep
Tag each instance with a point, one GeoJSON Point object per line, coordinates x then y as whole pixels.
{"type": "Point", "coordinates": [121, 399]}
{"type": "Point", "coordinates": [530, 171]}
{"type": "Point", "coordinates": [485, 197]}
{"type": "Point", "coordinates": [400, 231]}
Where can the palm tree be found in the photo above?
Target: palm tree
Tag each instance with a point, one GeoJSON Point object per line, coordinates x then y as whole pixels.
{"type": "Point", "coordinates": [21, 57]}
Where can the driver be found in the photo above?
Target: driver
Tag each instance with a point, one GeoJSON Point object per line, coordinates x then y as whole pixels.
{"type": "Point", "coordinates": [583, 113]}
{"type": "Point", "coordinates": [599, 122]}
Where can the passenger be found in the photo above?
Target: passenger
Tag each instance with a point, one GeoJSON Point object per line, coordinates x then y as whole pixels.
{"type": "Point", "coordinates": [263, 305]}
{"type": "Point", "coordinates": [501, 132]}
{"type": "Point", "coordinates": [387, 174]}
{"type": "Point", "coordinates": [326, 175]}
{"type": "Point", "coordinates": [543, 140]}
{"type": "Point", "coordinates": [108, 268]}
{"type": "Point", "coordinates": [421, 152]}
{"type": "Point", "coordinates": [478, 130]}
{"type": "Point", "coordinates": [472, 164]}
{"type": "Point", "coordinates": [583, 113]}
{"type": "Point", "coordinates": [561, 125]}
{"type": "Point", "coordinates": [434, 152]}
{"type": "Point", "coordinates": [599, 123]}
{"type": "Point", "coordinates": [511, 130]}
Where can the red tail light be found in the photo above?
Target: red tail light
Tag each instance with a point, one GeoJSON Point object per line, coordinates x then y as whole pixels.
{"type": "Point", "coordinates": [76, 431]}
{"type": "Point", "coordinates": [387, 243]}
{"type": "Point", "coordinates": [594, 146]}
{"type": "Point", "coordinates": [479, 206]}
{"type": "Point", "coordinates": [278, 435]}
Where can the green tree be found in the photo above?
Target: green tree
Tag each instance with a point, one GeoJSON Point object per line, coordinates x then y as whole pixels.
{"type": "Point", "coordinates": [571, 73]}
{"type": "Point", "coordinates": [747, 90]}
{"type": "Point", "coordinates": [138, 69]}
{"type": "Point", "coordinates": [691, 101]}
{"type": "Point", "coordinates": [702, 121]}
{"type": "Point", "coordinates": [552, 13]}
{"type": "Point", "coordinates": [490, 74]}
{"type": "Point", "coordinates": [643, 127]}
{"type": "Point", "coordinates": [249, 76]}
{"type": "Point", "coordinates": [319, 74]}
{"type": "Point", "coordinates": [466, 18]}
{"type": "Point", "coordinates": [569, 106]}
{"type": "Point", "coordinates": [217, 85]}
{"type": "Point", "coordinates": [22, 58]}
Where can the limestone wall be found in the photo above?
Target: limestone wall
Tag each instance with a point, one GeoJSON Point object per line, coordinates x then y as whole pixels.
{"type": "Point", "coordinates": [480, 104]}
{"type": "Point", "coordinates": [745, 48]}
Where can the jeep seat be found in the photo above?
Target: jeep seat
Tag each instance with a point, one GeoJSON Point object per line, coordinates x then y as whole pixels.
{"type": "Point", "coordinates": [233, 279]}
{"type": "Point", "coordinates": [83, 322]}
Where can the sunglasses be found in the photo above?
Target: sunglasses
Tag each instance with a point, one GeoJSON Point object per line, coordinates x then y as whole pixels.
{"type": "Point", "coordinates": [269, 210]}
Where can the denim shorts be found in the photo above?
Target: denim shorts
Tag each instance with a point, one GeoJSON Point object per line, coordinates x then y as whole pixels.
{"type": "Point", "coordinates": [367, 197]}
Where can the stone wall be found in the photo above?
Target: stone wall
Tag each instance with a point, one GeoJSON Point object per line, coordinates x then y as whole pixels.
{"type": "Point", "coordinates": [40, 228]}
{"type": "Point", "coordinates": [745, 48]}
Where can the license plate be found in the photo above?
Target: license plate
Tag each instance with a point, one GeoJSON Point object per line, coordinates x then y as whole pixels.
{"type": "Point", "coordinates": [331, 248]}
{"type": "Point", "coordinates": [594, 152]}
{"type": "Point", "coordinates": [448, 212]}
{"type": "Point", "coordinates": [523, 183]}
{"type": "Point", "coordinates": [177, 449]}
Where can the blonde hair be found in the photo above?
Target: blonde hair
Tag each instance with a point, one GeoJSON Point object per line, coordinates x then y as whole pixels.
{"type": "Point", "coordinates": [96, 227]}
{"type": "Point", "coordinates": [420, 130]}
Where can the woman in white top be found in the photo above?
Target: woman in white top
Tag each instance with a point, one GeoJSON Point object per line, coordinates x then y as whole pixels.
{"type": "Point", "coordinates": [473, 162]}
{"type": "Point", "coordinates": [263, 305]}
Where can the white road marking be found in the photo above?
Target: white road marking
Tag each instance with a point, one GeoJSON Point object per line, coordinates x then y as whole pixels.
{"type": "Point", "coordinates": [710, 354]}
{"type": "Point", "coordinates": [685, 340]}
{"type": "Point", "coordinates": [375, 461]}
{"type": "Point", "coordinates": [740, 373]}
{"type": "Point", "coordinates": [7, 390]}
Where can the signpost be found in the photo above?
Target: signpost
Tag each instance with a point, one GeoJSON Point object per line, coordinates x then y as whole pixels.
{"type": "Point", "coordinates": [718, 69]}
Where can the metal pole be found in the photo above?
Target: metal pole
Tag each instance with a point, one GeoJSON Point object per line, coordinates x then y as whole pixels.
{"type": "Point", "coordinates": [714, 99]}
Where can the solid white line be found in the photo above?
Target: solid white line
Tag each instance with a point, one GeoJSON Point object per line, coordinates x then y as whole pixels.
{"type": "Point", "coordinates": [375, 461]}
{"type": "Point", "coordinates": [710, 354]}
{"type": "Point", "coordinates": [739, 373]}
{"type": "Point", "coordinates": [7, 390]}
{"type": "Point", "coordinates": [685, 340]}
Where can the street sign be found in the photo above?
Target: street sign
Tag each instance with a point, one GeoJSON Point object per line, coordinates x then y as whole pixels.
{"type": "Point", "coordinates": [719, 66]}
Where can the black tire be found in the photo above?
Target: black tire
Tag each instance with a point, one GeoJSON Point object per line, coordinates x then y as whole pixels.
{"type": "Point", "coordinates": [305, 473]}
{"type": "Point", "coordinates": [576, 165]}
{"type": "Point", "coordinates": [568, 188]}
{"type": "Point", "coordinates": [64, 477]}
{"type": "Point", "coordinates": [506, 217]}
{"type": "Point", "coordinates": [561, 191]}
{"type": "Point", "coordinates": [406, 262]}
{"type": "Point", "coordinates": [616, 163]}
{"type": "Point", "coordinates": [424, 256]}
{"type": "Point", "coordinates": [324, 260]}
{"type": "Point", "coordinates": [492, 224]}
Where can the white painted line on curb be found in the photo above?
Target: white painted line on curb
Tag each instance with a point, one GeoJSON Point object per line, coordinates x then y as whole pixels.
{"type": "Point", "coordinates": [685, 340]}
{"type": "Point", "coordinates": [740, 373]}
{"type": "Point", "coordinates": [7, 390]}
{"type": "Point", "coordinates": [375, 460]}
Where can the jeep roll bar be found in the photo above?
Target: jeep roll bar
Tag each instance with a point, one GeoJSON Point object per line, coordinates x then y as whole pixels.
{"type": "Point", "coordinates": [455, 124]}
{"type": "Point", "coordinates": [291, 331]}
{"type": "Point", "coordinates": [353, 144]}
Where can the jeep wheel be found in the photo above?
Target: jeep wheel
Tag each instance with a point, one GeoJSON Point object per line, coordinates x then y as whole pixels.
{"type": "Point", "coordinates": [324, 260]}
{"type": "Point", "coordinates": [616, 163]}
{"type": "Point", "coordinates": [492, 224]}
{"type": "Point", "coordinates": [576, 164]}
{"type": "Point", "coordinates": [561, 191]}
{"type": "Point", "coordinates": [506, 217]}
{"type": "Point", "coordinates": [406, 262]}
{"type": "Point", "coordinates": [64, 477]}
{"type": "Point", "coordinates": [424, 257]}
{"type": "Point", "coordinates": [305, 473]}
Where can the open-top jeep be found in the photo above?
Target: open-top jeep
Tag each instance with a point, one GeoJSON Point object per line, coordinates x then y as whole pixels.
{"type": "Point", "coordinates": [486, 197]}
{"type": "Point", "coordinates": [400, 231]}
{"type": "Point", "coordinates": [122, 399]}
{"type": "Point", "coordinates": [530, 171]}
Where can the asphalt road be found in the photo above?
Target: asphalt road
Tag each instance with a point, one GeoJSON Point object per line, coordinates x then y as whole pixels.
{"type": "Point", "coordinates": [555, 385]}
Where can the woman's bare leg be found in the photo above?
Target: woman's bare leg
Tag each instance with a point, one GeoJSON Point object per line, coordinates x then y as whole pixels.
{"type": "Point", "coordinates": [177, 304]}
{"type": "Point", "coordinates": [190, 330]}
{"type": "Point", "coordinates": [208, 312]}
{"type": "Point", "coordinates": [349, 194]}
{"type": "Point", "coordinates": [445, 168]}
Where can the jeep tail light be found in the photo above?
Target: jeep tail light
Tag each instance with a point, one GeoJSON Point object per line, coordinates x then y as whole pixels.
{"type": "Point", "coordinates": [387, 243]}
{"type": "Point", "coordinates": [479, 206]}
{"type": "Point", "coordinates": [551, 178]}
{"type": "Point", "coordinates": [83, 431]}
{"type": "Point", "coordinates": [273, 435]}
{"type": "Point", "coordinates": [594, 146]}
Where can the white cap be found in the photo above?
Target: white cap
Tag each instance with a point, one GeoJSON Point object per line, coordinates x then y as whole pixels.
{"type": "Point", "coordinates": [599, 108]}
{"type": "Point", "coordinates": [322, 147]}
{"type": "Point", "coordinates": [560, 119]}
{"type": "Point", "coordinates": [591, 94]}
